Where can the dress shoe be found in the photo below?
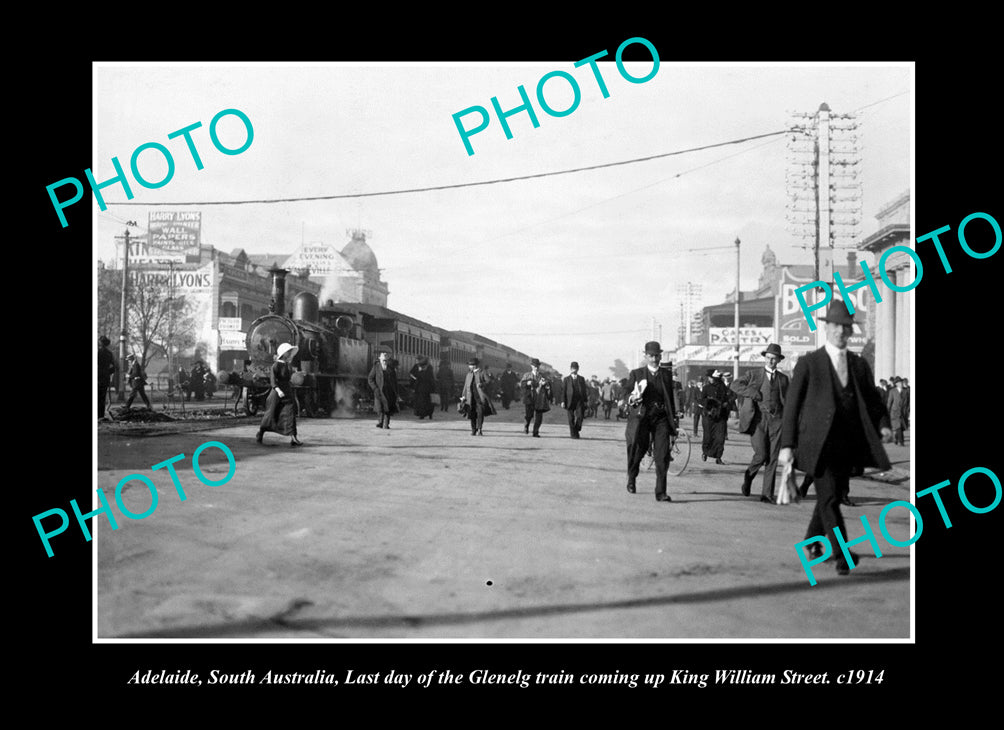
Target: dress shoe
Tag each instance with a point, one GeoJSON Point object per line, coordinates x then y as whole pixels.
{"type": "Point", "coordinates": [480, 432]}
{"type": "Point", "coordinates": [747, 482]}
{"type": "Point", "coordinates": [474, 433]}
{"type": "Point", "coordinates": [258, 436]}
{"type": "Point", "coordinates": [630, 487]}
{"type": "Point", "coordinates": [719, 461]}
{"type": "Point", "coordinates": [847, 502]}
{"type": "Point", "coordinates": [704, 457]}
{"type": "Point", "coordinates": [295, 441]}
{"type": "Point", "coordinates": [526, 429]}
{"type": "Point", "coordinates": [766, 500]}
{"type": "Point", "coordinates": [815, 550]}
{"type": "Point", "coordinates": [662, 498]}
{"type": "Point", "coordinates": [379, 425]}
{"type": "Point", "coordinates": [536, 435]}
{"type": "Point", "coordinates": [843, 568]}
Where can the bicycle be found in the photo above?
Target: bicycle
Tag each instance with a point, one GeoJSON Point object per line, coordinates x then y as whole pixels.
{"type": "Point", "coordinates": [679, 452]}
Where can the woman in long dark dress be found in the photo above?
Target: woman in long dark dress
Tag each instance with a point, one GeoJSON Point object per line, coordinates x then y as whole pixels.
{"type": "Point", "coordinates": [424, 384]}
{"type": "Point", "coordinates": [280, 406]}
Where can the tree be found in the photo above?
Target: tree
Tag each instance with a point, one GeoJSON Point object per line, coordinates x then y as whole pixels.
{"type": "Point", "coordinates": [619, 370]}
{"type": "Point", "coordinates": [158, 322]}
{"type": "Point", "coordinates": [109, 303]}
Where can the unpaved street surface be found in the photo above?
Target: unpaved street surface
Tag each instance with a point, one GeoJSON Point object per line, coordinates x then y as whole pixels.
{"type": "Point", "coordinates": [423, 531]}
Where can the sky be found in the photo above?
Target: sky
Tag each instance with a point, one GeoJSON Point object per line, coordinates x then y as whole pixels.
{"type": "Point", "coordinates": [563, 267]}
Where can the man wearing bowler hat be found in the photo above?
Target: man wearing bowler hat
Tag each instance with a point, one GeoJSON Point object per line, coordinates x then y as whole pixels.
{"type": "Point", "coordinates": [536, 389]}
{"type": "Point", "coordinates": [833, 418]}
{"type": "Point", "coordinates": [651, 417]}
{"type": "Point", "coordinates": [573, 399]}
{"type": "Point", "coordinates": [761, 416]}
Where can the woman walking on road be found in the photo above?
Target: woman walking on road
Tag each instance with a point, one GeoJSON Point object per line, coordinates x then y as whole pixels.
{"type": "Point", "coordinates": [280, 407]}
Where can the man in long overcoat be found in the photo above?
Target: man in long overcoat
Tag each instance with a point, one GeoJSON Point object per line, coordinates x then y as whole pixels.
{"type": "Point", "coordinates": [444, 376]}
{"type": "Point", "coordinates": [651, 417]}
{"type": "Point", "coordinates": [508, 381]}
{"type": "Point", "coordinates": [834, 425]}
{"type": "Point", "coordinates": [106, 372]}
{"type": "Point", "coordinates": [477, 396]}
{"type": "Point", "coordinates": [761, 415]}
{"type": "Point", "coordinates": [574, 394]}
{"type": "Point", "coordinates": [896, 405]}
{"type": "Point", "coordinates": [383, 383]}
{"type": "Point", "coordinates": [536, 389]}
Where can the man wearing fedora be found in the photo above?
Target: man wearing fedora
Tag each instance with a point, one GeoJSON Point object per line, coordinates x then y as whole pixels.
{"type": "Point", "coordinates": [716, 402]}
{"type": "Point", "coordinates": [651, 417]}
{"type": "Point", "coordinates": [536, 389]}
{"type": "Point", "coordinates": [833, 418]}
{"type": "Point", "coordinates": [761, 416]}
{"type": "Point", "coordinates": [476, 396]}
{"type": "Point", "coordinates": [574, 396]}
{"type": "Point", "coordinates": [137, 381]}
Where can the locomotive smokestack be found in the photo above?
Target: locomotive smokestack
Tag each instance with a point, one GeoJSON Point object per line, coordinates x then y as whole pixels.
{"type": "Point", "coordinates": [279, 289]}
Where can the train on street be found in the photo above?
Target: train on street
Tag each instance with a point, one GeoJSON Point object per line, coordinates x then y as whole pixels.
{"type": "Point", "coordinates": [337, 345]}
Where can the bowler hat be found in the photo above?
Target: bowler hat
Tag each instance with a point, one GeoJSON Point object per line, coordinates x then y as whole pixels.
{"type": "Point", "coordinates": [773, 349]}
{"type": "Point", "coordinates": [574, 365]}
{"type": "Point", "coordinates": [535, 362]}
{"type": "Point", "coordinates": [838, 313]}
{"type": "Point", "coordinates": [473, 361]}
{"type": "Point", "coordinates": [653, 348]}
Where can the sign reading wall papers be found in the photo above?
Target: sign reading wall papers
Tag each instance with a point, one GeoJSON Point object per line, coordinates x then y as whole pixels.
{"type": "Point", "coordinates": [175, 233]}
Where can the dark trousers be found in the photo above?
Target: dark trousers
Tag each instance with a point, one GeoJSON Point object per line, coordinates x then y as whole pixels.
{"type": "Point", "coordinates": [444, 399]}
{"type": "Point", "coordinates": [897, 437]}
{"type": "Point", "coordinates": [697, 419]}
{"type": "Point", "coordinates": [576, 412]}
{"type": "Point", "coordinates": [607, 405]}
{"type": "Point", "coordinates": [766, 441]}
{"type": "Point", "coordinates": [477, 414]}
{"type": "Point", "coordinates": [141, 392]}
{"type": "Point", "coordinates": [831, 487]}
{"type": "Point", "coordinates": [506, 399]}
{"type": "Point", "coordinates": [532, 414]}
{"type": "Point", "coordinates": [653, 427]}
{"type": "Point", "coordinates": [102, 395]}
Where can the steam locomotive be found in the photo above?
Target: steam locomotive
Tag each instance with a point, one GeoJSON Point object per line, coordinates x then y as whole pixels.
{"type": "Point", "coordinates": [337, 344]}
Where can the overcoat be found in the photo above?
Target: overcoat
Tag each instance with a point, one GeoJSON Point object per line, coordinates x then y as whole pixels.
{"type": "Point", "coordinates": [534, 393]}
{"type": "Point", "coordinates": [750, 387]}
{"type": "Point", "coordinates": [895, 402]}
{"type": "Point", "coordinates": [481, 381]}
{"type": "Point", "coordinates": [665, 379]}
{"type": "Point", "coordinates": [384, 399]}
{"type": "Point", "coordinates": [570, 387]}
{"type": "Point", "coordinates": [812, 404]}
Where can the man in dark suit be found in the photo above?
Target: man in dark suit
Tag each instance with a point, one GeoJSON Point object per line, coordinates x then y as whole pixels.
{"type": "Point", "coordinates": [508, 380]}
{"type": "Point", "coordinates": [573, 399]}
{"type": "Point", "coordinates": [652, 417]}
{"type": "Point", "coordinates": [383, 382]}
{"type": "Point", "coordinates": [536, 389]}
{"type": "Point", "coordinates": [833, 416]}
{"type": "Point", "coordinates": [477, 396]}
{"type": "Point", "coordinates": [761, 416]}
{"type": "Point", "coordinates": [106, 373]}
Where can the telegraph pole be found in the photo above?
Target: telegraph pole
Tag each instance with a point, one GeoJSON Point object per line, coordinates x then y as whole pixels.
{"type": "Point", "coordinates": [735, 365]}
{"type": "Point", "coordinates": [122, 320]}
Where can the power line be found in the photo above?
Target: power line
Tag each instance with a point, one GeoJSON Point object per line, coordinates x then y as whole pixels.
{"type": "Point", "coordinates": [561, 334]}
{"type": "Point", "coordinates": [464, 185]}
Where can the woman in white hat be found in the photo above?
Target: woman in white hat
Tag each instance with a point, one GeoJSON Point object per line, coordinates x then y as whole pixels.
{"type": "Point", "coordinates": [280, 408]}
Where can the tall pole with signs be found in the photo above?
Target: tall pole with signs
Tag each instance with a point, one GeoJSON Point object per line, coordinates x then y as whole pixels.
{"type": "Point", "coordinates": [824, 194]}
{"type": "Point", "coordinates": [122, 320]}
{"type": "Point", "coordinates": [735, 364]}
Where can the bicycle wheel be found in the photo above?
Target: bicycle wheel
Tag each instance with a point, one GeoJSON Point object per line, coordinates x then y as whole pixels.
{"type": "Point", "coordinates": [680, 451]}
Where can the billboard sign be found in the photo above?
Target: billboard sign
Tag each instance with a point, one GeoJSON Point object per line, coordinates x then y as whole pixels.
{"type": "Point", "coordinates": [173, 234]}
{"type": "Point", "coordinates": [793, 329]}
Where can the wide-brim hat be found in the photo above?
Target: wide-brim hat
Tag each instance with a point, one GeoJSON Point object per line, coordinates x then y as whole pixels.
{"type": "Point", "coordinates": [838, 313]}
{"type": "Point", "coordinates": [535, 362]}
{"type": "Point", "coordinates": [284, 348]}
{"type": "Point", "coordinates": [715, 373]}
{"type": "Point", "coordinates": [773, 349]}
{"type": "Point", "coordinates": [653, 348]}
